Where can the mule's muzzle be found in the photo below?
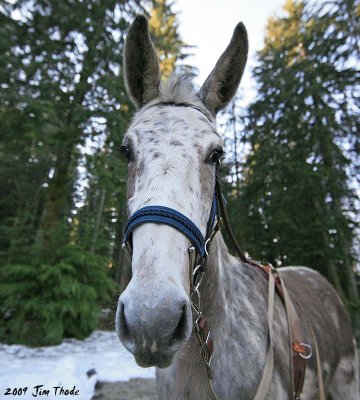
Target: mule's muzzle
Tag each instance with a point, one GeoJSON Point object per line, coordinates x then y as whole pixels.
{"type": "Point", "coordinates": [153, 332]}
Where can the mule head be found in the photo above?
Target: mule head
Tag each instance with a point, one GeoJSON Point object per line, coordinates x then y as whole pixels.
{"type": "Point", "coordinates": [172, 147]}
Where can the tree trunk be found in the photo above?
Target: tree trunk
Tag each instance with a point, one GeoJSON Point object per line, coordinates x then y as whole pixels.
{"type": "Point", "coordinates": [57, 190]}
{"type": "Point", "coordinates": [55, 199]}
{"type": "Point", "coordinates": [123, 267]}
{"type": "Point", "coordinates": [98, 220]}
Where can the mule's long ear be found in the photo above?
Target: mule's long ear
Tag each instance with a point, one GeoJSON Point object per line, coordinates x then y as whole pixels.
{"type": "Point", "coordinates": [224, 79]}
{"type": "Point", "coordinates": [141, 65]}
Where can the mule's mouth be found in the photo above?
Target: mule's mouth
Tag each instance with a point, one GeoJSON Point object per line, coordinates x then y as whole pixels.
{"type": "Point", "coordinates": [148, 359]}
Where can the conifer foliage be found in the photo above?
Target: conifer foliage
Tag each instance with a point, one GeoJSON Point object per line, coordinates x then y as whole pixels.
{"type": "Point", "coordinates": [297, 205]}
{"type": "Point", "coordinates": [63, 113]}
{"type": "Point", "coordinates": [164, 30]}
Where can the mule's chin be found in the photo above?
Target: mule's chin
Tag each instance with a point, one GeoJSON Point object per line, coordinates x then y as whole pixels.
{"type": "Point", "coordinates": [157, 359]}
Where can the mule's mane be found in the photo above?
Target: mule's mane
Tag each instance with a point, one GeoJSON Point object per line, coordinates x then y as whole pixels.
{"type": "Point", "coordinates": [178, 89]}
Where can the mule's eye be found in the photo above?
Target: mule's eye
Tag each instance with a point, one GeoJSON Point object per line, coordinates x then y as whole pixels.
{"type": "Point", "coordinates": [126, 153]}
{"type": "Point", "coordinates": [216, 156]}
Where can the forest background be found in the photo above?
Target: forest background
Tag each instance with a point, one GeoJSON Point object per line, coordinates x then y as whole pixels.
{"type": "Point", "coordinates": [291, 174]}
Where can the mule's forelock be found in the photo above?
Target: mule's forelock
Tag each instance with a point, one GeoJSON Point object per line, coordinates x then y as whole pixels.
{"type": "Point", "coordinates": [179, 89]}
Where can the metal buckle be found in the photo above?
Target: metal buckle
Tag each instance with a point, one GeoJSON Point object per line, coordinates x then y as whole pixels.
{"type": "Point", "coordinates": [127, 249]}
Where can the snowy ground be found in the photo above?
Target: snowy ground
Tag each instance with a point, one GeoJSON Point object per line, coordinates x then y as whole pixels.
{"type": "Point", "coordinates": [66, 365]}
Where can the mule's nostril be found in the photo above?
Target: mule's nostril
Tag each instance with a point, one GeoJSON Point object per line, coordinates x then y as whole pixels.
{"type": "Point", "coordinates": [124, 329]}
{"type": "Point", "coordinates": [180, 332]}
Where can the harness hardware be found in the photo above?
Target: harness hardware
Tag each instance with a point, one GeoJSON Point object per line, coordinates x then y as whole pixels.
{"type": "Point", "coordinates": [304, 349]}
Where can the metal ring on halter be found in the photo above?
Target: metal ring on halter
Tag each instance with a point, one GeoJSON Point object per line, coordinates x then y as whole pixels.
{"type": "Point", "coordinates": [309, 355]}
{"type": "Point", "coordinates": [206, 246]}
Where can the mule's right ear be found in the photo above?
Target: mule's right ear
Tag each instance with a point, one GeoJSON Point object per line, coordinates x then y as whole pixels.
{"type": "Point", "coordinates": [141, 65]}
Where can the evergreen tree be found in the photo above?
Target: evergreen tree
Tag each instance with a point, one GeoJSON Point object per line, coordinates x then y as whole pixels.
{"type": "Point", "coordinates": [164, 30]}
{"type": "Point", "coordinates": [63, 112]}
{"type": "Point", "coordinates": [61, 92]}
{"type": "Point", "coordinates": [296, 203]}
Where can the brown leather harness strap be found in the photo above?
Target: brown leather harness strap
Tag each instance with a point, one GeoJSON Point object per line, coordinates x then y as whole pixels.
{"type": "Point", "coordinates": [297, 346]}
{"type": "Point", "coordinates": [225, 217]}
{"type": "Point", "coordinates": [266, 378]}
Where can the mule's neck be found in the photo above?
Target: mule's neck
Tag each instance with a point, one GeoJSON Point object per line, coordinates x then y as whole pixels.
{"type": "Point", "coordinates": [232, 287]}
{"type": "Point", "coordinates": [225, 277]}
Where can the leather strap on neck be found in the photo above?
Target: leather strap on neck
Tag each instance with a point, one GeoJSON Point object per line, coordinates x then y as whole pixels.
{"type": "Point", "coordinates": [226, 221]}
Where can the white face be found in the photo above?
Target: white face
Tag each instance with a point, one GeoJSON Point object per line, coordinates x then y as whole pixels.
{"type": "Point", "coordinates": [172, 152]}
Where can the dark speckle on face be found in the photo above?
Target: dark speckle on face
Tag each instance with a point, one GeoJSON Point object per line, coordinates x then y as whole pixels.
{"type": "Point", "coordinates": [131, 180]}
{"type": "Point", "coordinates": [175, 143]}
{"type": "Point", "coordinates": [140, 168]}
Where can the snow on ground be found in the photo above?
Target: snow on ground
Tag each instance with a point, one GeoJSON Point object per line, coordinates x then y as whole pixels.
{"type": "Point", "coordinates": [66, 365]}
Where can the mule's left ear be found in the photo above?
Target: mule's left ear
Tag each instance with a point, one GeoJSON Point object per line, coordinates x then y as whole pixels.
{"type": "Point", "coordinates": [224, 79]}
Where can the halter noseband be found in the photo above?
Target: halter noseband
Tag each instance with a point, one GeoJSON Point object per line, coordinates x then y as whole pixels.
{"type": "Point", "coordinates": [164, 215]}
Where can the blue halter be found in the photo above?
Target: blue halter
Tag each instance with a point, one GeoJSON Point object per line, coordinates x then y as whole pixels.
{"type": "Point", "coordinates": [175, 219]}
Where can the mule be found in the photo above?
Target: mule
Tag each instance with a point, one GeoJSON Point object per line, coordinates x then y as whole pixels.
{"type": "Point", "coordinates": [172, 147]}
